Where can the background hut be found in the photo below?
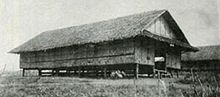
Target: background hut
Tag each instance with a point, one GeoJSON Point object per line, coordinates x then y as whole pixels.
{"type": "Point", "coordinates": [206, 59]}
{"type": "Point", "coordinates": [129, 44]}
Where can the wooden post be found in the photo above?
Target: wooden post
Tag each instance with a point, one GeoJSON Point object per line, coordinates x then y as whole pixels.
{"type": "Point", "coordinates": [105, 72]}
{"type": "Point", "coordinates": [177, 73]}
{"type": "Point", "coordinates": [158, 75]}
{"type": "Point", "coordinates": [23, 72]}
{"type": "Point", "coordinates": [53, 72]}
{"type": "Point", "coordinates": [136, 71]}
{"type": "Point", "coordinates": [74, 72]}
{"type": "Point", "coordinates": [154, 71]}
{"type": "Point", "coordinates": [68, 72]}
{"type": "Point", "coordinates": [57, 72]}
{"type": "Point", "coordinates": [79, 71]}
{"type": "Point", "coordinates": [83, 72]}
{"type": "Point", "coordinates": [171, 72]}
{"type": "Point", "coordinates": [97, 72]}
{"type": "Point", "coordinates": [39, 72]}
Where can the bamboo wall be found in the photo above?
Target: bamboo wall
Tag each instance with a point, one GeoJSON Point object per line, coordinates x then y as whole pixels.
{"type": "Point", "coordinates": [117, 52]}
{"type": "Point", "coordinates": [173, 59]}
{"type": "Point", "coordinates": [144, 51]}
{"type": "Point", "coordinates": [137, 51]}
{"type": "Point", "coordinates": [162, 28]}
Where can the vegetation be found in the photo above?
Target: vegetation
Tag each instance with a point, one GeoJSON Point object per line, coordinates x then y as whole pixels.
{"type": "Point", "coordinates": [201, 84]}
{"type": "Point", "coordinates": [12, 85]}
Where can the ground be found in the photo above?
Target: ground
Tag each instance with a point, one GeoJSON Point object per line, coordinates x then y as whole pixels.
{"type": "Point", "coordinates": [13, 85]}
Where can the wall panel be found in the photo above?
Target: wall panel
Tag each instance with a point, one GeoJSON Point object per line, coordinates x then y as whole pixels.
{"type": "Point", "coordinates": [117, 52]}
{"type": "Point", "coordinates": [173, 59]}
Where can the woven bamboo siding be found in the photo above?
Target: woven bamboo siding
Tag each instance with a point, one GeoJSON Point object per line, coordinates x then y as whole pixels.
{"type": "Point", "coordinates": [173, 59]}
{"type": "Point", "coordinates": [80, 62]}
{"type": "Point", "coordinates": [117, 52]}
{"type": "Point", "coordinates": [144, 51]}
{"type": "Point", "coordinates": [161, 28]}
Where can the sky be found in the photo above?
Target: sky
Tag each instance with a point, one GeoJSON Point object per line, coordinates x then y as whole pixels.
{"type": "Point", "coordinates": [21, 20]}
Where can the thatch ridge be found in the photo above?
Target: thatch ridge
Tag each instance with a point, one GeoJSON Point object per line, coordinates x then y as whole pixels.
{"type": "Point", "coordinates": [205, 53]}
{"type": "Point", "coordinates": [107, 30]}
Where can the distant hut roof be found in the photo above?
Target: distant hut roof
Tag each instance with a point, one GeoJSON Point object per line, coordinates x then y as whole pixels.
{"type": "Point", "coordinates": [109, 30]}
{"type": "Point", "coordinates": [204, 53]}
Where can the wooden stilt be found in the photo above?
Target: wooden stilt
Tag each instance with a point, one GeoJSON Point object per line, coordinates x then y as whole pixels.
{"type": "Point", "coordinates": [83, 72]}
{"type": "Point", "coordinates": [68, 72]}
{"type": "Point", "coordinates": [136, 71]}
{"type": "Point", "coordinates": [39, 72]}
{"type": "Point", "coordinates": [53, 72]}
{"type": "Point", "coordinates": [171, 73]}
{"type": "Point", "coordinates": [154, 72]}
{"type": "Point", "coordinates": [57, 72]}
{"type": "Point", "coordinates": [23, 72]}
{"type": "Point", "coordinates": [97, 72]}
{"type": "Point", "coordinates": [158, 75]}
{"type": "Point", "coordinates": [79, 71]}
{"type": "Point", "coordinates": [105, 75]}
{"type": "Point", "coordinates": [177, 73]}
{"type": "Point", "coordinates": [74, 72]}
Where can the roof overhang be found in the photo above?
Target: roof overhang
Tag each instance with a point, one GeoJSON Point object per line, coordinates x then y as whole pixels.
{"type": "Point", "coordinates": [187, 46]}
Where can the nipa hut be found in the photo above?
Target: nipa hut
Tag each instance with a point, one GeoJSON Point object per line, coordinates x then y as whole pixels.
{"type": "Point", "coordinates": [206, 59]}
{"type": "Point", "coordinates": [129, 44]}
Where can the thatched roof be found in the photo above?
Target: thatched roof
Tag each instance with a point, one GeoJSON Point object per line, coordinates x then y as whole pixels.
{"type": "Point", "coordinates": [109, 30]}
{"type": "Point", "coordinates": [204, 53]}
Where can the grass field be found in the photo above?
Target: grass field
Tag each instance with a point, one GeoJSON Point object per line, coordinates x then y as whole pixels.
{"type": "Point", "coordinates": [13, 85]}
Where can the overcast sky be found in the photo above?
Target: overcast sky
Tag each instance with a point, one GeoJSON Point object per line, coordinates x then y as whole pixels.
{"type": "Point", "coordinates": [21, 20]}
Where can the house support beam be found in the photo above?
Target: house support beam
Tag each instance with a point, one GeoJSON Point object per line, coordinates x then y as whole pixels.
{"type": "Point", "coordinates": [57, 72]}
{"type": "Point", "coordinates": [75, 72]}
{"type": "Point", "coordinates": [154, 72]}
{"type": "Point", "coordinates": [177, 73]}
{"type": "Point", "coordinates": [83, 72]}
{"type": "Point", "coordinates": [68, 72]}
{"type": "Point", "coordinates": [96, 72]}
{"type": "Point", "coordinates": [105, 74]}
{"type": "Point", "coordinates": [23, 72]}
{"type": "Point", "coordinates": [79, 71]}
{"type": "Point", "coordinates": [171, 73]}
{"type": "Point", "coordinates": [53, 72]}
{"type": "Point", "coordinates": [39, 72]}
{"type": "Point", "coordinates": [136, 71]}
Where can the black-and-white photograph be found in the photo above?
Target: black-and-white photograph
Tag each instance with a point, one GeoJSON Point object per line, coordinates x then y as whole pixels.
{"type": "Point", "coordinates": [109, 48]}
